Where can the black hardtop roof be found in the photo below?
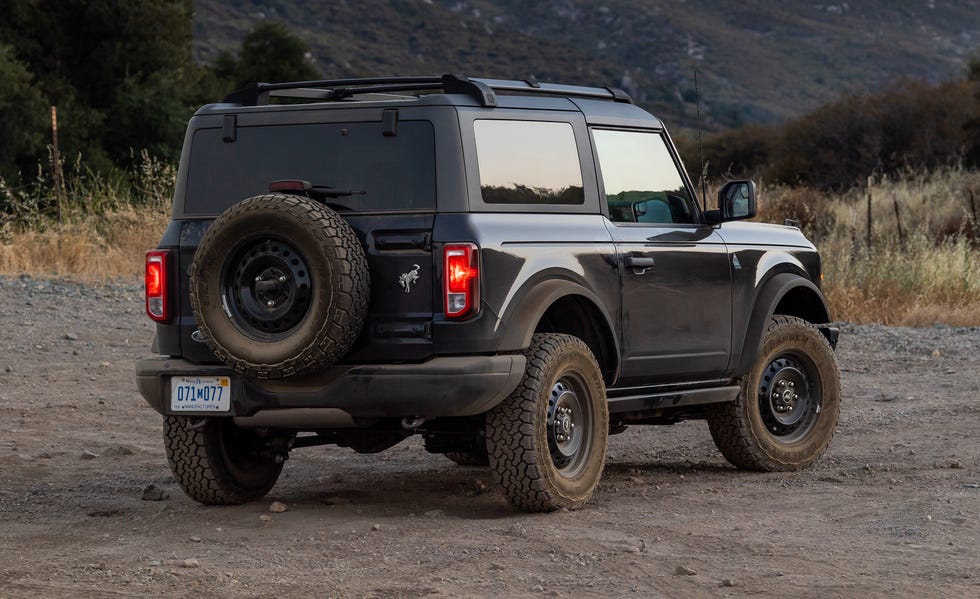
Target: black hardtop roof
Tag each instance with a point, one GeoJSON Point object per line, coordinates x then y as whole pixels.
{"type": "Point", "coordinates": [482, 90]}
{"type": "Point", "coordinates": [600, 105]}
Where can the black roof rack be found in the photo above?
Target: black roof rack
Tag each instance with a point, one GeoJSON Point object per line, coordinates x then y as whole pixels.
{"type": "Point", "coordinates": [482, 90]}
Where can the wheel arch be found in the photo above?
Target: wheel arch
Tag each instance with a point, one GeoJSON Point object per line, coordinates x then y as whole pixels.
{"type": "Point", "coordinates": [562, 306]}
{"type": "Point", "coordinates": [786, 293]}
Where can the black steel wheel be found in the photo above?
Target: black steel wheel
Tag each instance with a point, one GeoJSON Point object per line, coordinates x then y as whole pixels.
{"type": "Point", "coordinates": [279, 286]}
{"type": "Point", "coordinates": [785, 416]}
{"type": "Point", "coordinates": [268, 287]}
{"type": "Point", "coordinates": [218, 463]}
{"type": "Point", "coordinates": [547, 441]}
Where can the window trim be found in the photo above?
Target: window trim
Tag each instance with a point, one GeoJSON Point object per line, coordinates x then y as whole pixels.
{"type": "Point", "coordinates": [583, 143]}
{"type": "Point", "coordinates": [672, 151]}
{"type": "Point", "coordinates": [576, 154]}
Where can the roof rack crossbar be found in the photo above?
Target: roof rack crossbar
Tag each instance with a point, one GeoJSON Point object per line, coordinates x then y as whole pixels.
{"type": "Point", "coordinates": [482, 90]}
{"type": "Point", "coordinates": [535, 87]}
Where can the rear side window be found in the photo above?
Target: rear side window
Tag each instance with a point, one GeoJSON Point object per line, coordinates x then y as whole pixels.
{"type": "Point", "coordinates": [381, 173]}
{"type": "Point", "coordinates": [528, 162]}
{"type": "Point", "coordinates": [641, 180]}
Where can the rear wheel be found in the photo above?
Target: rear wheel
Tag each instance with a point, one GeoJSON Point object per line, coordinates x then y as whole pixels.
{"type": "Point", "coordinates": [787, 411]}
{"type": "Point", "coordinates": [218, 463]}
{"type": "Point", "coordinates": [547, 442]}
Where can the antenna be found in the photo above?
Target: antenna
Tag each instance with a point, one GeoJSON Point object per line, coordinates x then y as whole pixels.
{"type": "Point", "coordinates": [704, 165]}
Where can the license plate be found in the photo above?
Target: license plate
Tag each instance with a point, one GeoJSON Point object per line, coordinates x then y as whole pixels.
{"type": "Point", "coordinates": [200, 393]}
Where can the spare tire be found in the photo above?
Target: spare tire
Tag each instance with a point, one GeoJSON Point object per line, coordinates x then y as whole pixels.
{"type": "Point", "coordinates": [279, 286]}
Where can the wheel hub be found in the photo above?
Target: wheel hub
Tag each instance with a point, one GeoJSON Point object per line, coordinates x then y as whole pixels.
{"type": "Point", "coordinates": [565, 430]}
{"type": "Point", "coordinates": [267, 289]}
{"type": "Point", "coordinates": [786, 401]}
{"type": "Point", "coordinates": [784, 397]}
{"type": "Point", "coordinates": [563, 425]}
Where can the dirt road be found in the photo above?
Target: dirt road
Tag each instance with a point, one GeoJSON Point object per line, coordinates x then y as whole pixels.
{"type": "Point", "coordinates": [893, 509]}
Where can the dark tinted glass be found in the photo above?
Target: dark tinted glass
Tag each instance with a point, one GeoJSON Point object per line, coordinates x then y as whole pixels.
{"type": "Point", "coordinates": [642, 182]}
{"type": "Point", "coordinates": [394, 173]}
{"type": "Point", "coordinates": [528, 162]}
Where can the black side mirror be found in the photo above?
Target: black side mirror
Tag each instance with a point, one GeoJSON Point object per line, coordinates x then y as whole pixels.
{"type": "Point", "coordinates": [736, 201]}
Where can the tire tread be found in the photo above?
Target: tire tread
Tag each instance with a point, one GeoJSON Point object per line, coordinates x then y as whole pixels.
{"type": "Point", "coordinates": [514, 460]}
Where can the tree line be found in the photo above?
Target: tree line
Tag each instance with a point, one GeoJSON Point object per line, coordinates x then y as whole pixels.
{"type": "Point", "coordinates": [123, 79]}
{"type": "Point", "coordinates": [909, 125]}
{"type": "Point", "coordinates": [121, 75]}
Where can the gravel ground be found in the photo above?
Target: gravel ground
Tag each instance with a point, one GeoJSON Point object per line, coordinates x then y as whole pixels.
{"type": "Point", "coordinates": [893, 508]}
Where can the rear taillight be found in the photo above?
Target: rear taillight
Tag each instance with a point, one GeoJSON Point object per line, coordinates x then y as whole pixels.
{"type": "Point", "coordinates": [461, 280]}
{"type": "Point", "coordinates": [155, 279]}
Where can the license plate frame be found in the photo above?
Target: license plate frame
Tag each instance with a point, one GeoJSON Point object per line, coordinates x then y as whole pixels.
{"type": "Point", "coordinates": [200, 393]}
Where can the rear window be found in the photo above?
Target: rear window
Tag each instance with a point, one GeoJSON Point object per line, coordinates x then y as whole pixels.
{"type": "Point", "coordinates": [384, 173]}
{"type": "Point", "coordinates": [528, 162]}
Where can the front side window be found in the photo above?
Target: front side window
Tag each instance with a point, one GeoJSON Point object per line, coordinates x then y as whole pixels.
{"type": "Point", "coordinates": [528, 162]}
{"type": "Point", "coordinates": [641, 180]}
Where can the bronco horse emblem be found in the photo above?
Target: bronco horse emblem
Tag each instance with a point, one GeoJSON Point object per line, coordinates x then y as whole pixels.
{"type": "Point", "coordinates": [406, 280]}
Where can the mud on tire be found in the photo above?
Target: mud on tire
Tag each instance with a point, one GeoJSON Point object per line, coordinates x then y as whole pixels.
{"type": "Point", "coordinates": [547, 441]}
{"type": "Point", "coordinates": [787, 411]}
{"type": "Point", "coordinates": [217, 463]}
{"type": "Point", "coordinates": [279, 286]}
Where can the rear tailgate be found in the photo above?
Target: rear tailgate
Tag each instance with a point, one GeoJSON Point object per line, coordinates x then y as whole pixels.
{"type": "Point", "coordinates": [390, 185]}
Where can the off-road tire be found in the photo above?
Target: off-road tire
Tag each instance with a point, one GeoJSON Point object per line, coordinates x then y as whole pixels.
{"type": "Point", "coordinates": [324, 294]}
{"type": "Point", "coordinates": [216, 462]}
{"type": "Point", "coordinates": [521, 431]}
{"type": "Point", "coordinates": [740, 429]}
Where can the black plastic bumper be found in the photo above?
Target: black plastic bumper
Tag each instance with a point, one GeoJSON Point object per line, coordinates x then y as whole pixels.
{"type": "Point", "coordinates": [440, 387]}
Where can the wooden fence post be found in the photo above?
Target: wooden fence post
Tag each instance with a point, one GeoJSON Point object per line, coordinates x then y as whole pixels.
{"type": "Point", "coordinates": [56, 173]}
{"type": "Point", "coordinates": [871, 181]}
{"type": "Point", "coordinates": [973, 209]}
{"type": "Point", "coordinates": [898, 220]}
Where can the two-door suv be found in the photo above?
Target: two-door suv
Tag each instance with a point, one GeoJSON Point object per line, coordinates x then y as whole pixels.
{"type": "Point", "coordinates": [513, 270]}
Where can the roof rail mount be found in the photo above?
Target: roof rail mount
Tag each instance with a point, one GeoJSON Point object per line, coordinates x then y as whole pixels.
{"type": "Point", "coordinates": [481, 90]}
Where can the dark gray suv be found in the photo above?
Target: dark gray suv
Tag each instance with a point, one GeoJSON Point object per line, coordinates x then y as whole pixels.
{"type": "Point", "coordinates": [513, 270]}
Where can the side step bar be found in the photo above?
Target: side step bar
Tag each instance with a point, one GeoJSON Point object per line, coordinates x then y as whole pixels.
{"type": "Point", "coordinates": [646, 402]}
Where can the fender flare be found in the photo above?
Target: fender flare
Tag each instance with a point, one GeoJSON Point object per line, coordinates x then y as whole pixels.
{"type": "Point", "coordinates": [521, 318]}
{"type": "Point", "coordinates": [772, 292]}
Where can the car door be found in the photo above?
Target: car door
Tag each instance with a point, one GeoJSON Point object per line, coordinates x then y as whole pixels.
{"type": "Point", "coordinates": [675, 278]}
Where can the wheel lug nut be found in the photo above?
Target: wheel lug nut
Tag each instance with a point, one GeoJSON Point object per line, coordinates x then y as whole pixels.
{"type": "Point", "coordinates": [258, 279]}
{"type": "Point", "coordinates": [270, 303]}
{"type": "Point", "coordinates": [282, 279]}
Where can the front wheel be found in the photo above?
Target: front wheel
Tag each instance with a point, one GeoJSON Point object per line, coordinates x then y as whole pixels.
{"type": "Point", "coordinates": [216, 462]}
{"type": "Point", "coordinates": [787, 411]}
{"type": "Point", "coordinates": [546, 443]}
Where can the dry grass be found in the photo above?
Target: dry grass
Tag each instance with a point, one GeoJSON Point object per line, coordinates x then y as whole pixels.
{"type": "Point", "coordinates": [99, 231]}
{"type": "Point", "coordinates": [931, 274]}
{"type": "Point", "coordinates": [918, 283]}
{"type": "Point", "coordinates": [95, 248]}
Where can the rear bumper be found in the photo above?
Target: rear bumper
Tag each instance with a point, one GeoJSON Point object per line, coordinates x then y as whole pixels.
{"type": "Point", "coordinates": [439, 387]}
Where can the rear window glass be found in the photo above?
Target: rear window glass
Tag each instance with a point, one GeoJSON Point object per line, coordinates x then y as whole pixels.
{"type": "Point", "coordinates": [528, 162]}
{"type": "Point", "coordinates": [383, 173]}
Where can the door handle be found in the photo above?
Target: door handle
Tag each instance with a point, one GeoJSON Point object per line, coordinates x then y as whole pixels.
{"type": "Point", "coordinates": [639, 264]}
